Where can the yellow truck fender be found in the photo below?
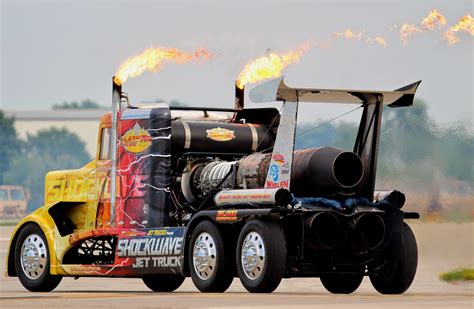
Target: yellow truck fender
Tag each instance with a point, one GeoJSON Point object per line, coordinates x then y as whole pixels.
{"type": "Point", "coordinates": [41, 218]}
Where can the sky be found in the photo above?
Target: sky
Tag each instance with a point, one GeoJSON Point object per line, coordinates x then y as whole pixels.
{"type": "Point", "coordinates": [55, 51]}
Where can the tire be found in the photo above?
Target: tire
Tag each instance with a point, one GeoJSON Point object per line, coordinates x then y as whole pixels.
{"type": "Point", "coordinates": [210, 263]}
{"type": "Point", "coordinates": [163, 283]}
{"type": "Point", "coordinates": [397, 275]}
{"type": "Point", "coordinates": [341, 283]}
{"type": "Point", "coordinates": [32, 260]}
{"type": "Point", "coordinates": [261, 256]}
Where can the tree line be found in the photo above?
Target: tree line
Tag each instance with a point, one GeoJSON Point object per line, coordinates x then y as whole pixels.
{"type": "Point", "coordinates": [25, 162]}
{"type": "Point", "coordinates": [415, 152]}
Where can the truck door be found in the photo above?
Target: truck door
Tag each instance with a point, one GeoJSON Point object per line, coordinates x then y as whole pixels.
{"type": "Point", "coordinates": [102, 183]}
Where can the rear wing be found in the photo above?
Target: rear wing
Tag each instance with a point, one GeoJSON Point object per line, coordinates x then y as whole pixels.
{"type": "Point", "coordinates": [367, 139]}
{"type": "Point", "coordinates": [277, 90]}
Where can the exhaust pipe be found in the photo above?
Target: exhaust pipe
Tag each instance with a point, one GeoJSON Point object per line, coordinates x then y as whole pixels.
{"type": "Point", "coordinates": [116, 95]}
{"type": "Point", "coordinates": [371, 230]}
{"type": "Point", "coordinates": [239, 97]}
{"type": "Point", "coordinates": [324, 170]}
{"type": "Point", "coordinates": [274, 197]}
{"type": "Point", "coordinates": [324, 230]}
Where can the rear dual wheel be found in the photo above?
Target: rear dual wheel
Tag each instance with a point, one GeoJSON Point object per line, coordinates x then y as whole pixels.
{"type": "Point", "coordinates": [342, 283]}
{"type": "Point", "coordinates": [397, 273]}
{"type": "Point", "coordinates": [210, 260]}
{"type": "Point", "coordinates": [394, 276]}
{"type": "Point", "coordinates": [261, 256]}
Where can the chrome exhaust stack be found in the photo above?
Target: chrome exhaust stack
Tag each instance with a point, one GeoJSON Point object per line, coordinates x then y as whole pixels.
{"type": "Point", "coordinates": [116, 97]}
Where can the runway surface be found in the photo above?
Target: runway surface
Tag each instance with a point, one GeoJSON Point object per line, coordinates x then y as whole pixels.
{"type": "Point", "coordinates": [442, 246]}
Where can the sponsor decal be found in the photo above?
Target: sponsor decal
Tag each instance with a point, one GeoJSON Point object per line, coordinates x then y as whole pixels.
{"type": "Point", "coordinates": [220, 134]}
{"type": "Point", "coordinates": [279, 158]}
{"type": "Point", "coordinates": [281, 184]}
{"type": "Point", "coordinates": [132, 233]}
{"type": "Point", "coordinates": [162, 232]}
{"type": "Point", "coordinates": [244, 198]}
{"type": "Point", "coordinates": [226, 215]}
{"type": "Point", "coordinates": [152, 250]}
{"type": "Point", "coordinates": [156, 252]}
{"type": "Point", "coordinates": [274, 171]}
{"type": "Point", "coordinates": [136, 140]}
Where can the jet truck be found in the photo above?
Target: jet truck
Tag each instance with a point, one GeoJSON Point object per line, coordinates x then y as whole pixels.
{"type": "Point", "coordinates": [215, 193]}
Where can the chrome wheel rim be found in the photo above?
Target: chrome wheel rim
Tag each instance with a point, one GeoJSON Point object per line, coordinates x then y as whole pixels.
{"type": "Point", "coordinates": [204, 256]}
{"type": "Point", "coordinates": [252, 255]}
{"type": "Point", "coordinates": [33, 256]}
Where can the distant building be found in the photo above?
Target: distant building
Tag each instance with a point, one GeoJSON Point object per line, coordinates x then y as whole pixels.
{"type": "Point", "coordinates": [83, 122]}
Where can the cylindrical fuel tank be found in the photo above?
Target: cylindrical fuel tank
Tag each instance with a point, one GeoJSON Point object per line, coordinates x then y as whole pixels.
{"type": "Point", "coordinates": [219, 137]}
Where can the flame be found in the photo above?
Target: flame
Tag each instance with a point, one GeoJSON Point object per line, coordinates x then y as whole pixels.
{"type": "Point", "coordinates": [349, 34]}
{"type": "Point", "coordinates": [408, 30]}
{"type": "Point", "coordinates": [380, 40]}
{"type": "Point", "coordinates": [153, 59]}
{"type": "Point", "coordinates": [360, 35]}
{"type": "Point", "coordinates": [433, 21]}
{"type": "Point", "coordinates": [465, 24]}
{"type": "Point", "coordinates": [269, 66]}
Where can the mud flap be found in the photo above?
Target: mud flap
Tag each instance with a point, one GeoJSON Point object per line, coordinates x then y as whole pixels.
{"type": "Point", "coordinates": [394, 224]}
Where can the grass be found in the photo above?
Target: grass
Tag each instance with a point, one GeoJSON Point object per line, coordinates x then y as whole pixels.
{"type": "Point", "coordinates": [8, 222]}
{"type": "Point", "coordinates": [460, 274]}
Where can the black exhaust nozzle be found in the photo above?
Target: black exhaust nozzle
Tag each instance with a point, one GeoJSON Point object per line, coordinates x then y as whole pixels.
{"type": "Point", "coordinates": [325, 170]}
{"type": "Point", "coordinates": [324, 231]}
{"type": "Point", "coordinates": [370, 229]}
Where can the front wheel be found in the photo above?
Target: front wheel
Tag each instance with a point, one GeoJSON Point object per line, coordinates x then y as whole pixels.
{"type": "Point", "coordinates": [261, 256]}
{"type": "Point", "coordinates": [396, 275]}
{"type": "Point", "coordinates": [163, 283]}
{"type": "Point", "coordinates": [32, 261]}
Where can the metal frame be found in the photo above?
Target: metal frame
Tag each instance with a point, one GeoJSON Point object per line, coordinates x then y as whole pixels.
{"type": "Point", "coordinates": [367, 145]}
{"type": "Point", "coordinates": [368, 135]}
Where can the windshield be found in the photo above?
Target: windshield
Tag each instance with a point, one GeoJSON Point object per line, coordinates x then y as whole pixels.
{"type": "Point", "coordinates": [3, 195]}
{"type": "Point", "coordinates": [17, 195]}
